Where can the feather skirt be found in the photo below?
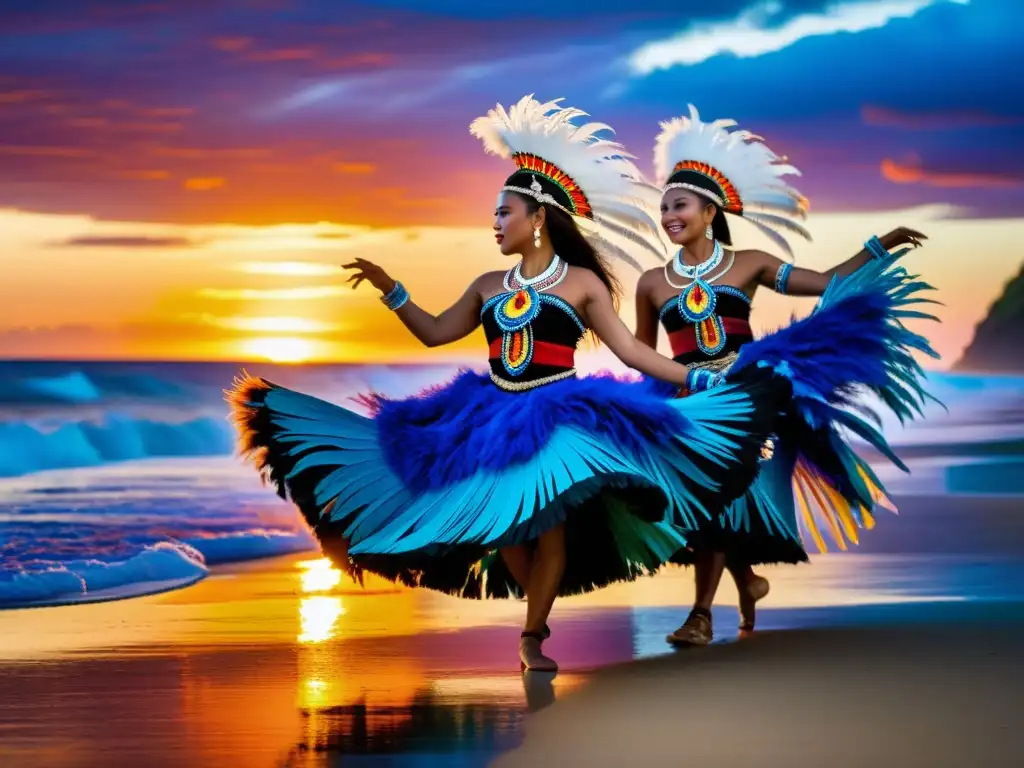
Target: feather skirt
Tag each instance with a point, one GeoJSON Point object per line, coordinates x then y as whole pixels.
{"type": "Point", "coordinates": [425, 489]}
{"type": "Point", "coordinates": [816, 486]}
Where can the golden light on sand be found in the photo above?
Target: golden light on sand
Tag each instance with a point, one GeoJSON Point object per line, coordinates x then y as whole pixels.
{"type": "Point", "coordinates": [279, 349]}
{"type": "Point", "coordinates": [317, 617]}
{"type": "Point", "coordinates": [318, 575]}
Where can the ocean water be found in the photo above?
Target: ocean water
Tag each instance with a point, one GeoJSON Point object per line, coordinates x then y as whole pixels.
{"type": "Point", "coordinates": [119, 479]}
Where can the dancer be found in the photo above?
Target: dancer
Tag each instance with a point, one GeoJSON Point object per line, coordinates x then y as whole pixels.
{"type": "Point", "coordinates": [702, 297]}
{"type": "Point", "coordinates": [577, 481]}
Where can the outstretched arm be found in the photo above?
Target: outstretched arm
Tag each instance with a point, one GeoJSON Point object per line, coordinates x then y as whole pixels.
{"type": "Point", "coordinates": [646, 315]}
{"type": "Point", "coordinates": [607, 324]}
{"type": "Point", "coordinates": [456, 322]}
{"type": "Point", "coordinates": [797, 281]}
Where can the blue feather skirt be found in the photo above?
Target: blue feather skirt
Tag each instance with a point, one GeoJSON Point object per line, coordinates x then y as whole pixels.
{"type": "Point", "coordinates": [426, 489]}
{"type": "Point", "coordinates": [854, 343]}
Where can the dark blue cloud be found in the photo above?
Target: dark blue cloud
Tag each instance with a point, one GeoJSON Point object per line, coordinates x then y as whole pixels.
{"type": "Point", "coordinates": [321, 78]}
{"type": "Point", "coordinates": [949, 60]}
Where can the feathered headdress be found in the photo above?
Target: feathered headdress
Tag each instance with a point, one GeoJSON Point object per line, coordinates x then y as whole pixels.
{"type": "Point", "coordinates": [567, 166]}
{"type": "Point", "coordinates": [733, 169]}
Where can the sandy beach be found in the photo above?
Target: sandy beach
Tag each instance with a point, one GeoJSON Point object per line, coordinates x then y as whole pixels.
{"type": "Point", "coordinates": [939, 686]}
{"type": "Point", "coordinates": [281, 662]}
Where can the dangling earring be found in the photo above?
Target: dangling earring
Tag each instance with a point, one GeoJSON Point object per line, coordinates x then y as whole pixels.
{"type": "Point", "coordinates": [536, 238]}
{"type": "Point", "coordinates": [709, 233]}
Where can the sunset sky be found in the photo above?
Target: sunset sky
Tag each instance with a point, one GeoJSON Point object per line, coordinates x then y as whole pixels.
{"type": "Point", "coordinates": [181, 180]}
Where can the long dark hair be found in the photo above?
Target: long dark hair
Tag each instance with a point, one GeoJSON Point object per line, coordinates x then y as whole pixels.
{"type": "Point", "coordinates": [720, 227]}
{"type": "Point", "coordinates": [572, 247]}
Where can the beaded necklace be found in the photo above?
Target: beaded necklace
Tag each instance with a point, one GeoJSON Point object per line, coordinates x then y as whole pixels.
{"type": "Point", "coordinates": [698, 301]}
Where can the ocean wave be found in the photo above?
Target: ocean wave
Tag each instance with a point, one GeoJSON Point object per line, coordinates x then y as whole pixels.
{"type": "Point", "coordinates": [51, 386]}
{"type": "Point", "coordinates": [42, 383]}
{"type": "Point", "coordinates": [125, 530]}
{"type": "Point", "coordinates": [155, 568]}
{"type": "Point", "coordinates": [64, 415]}
{"type": "Point", "coordinates": [33, 446]}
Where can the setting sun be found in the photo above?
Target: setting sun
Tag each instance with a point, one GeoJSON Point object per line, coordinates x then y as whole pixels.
{"type": "Point", "coordinates": [279, 349]}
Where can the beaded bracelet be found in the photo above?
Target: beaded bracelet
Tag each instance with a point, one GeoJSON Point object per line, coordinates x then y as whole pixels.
{"type": "Point", "coordinates": [699, 379]}
{"type": "Point", "coordinates": [782, 277]}
{"type": "Point", "coordinates": [396, 298]}
{"type": "Point", "coordinates": [876, 249]}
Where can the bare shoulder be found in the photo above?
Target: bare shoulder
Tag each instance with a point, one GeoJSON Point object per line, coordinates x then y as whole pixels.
{"type": "Point", "coordinates": [584, 277]}
{"type": "Point", "coordinates": [752, 255]}
{"type": "Point", "coordinates": [650, 279]}
{"type": "Point", "coordinates": [756, 259]}
{"type": "Point", "coordinates": [488, 281]}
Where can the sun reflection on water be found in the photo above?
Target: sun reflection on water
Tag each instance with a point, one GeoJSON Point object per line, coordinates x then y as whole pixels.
{"type": "Point", "coordinates": [317, 616]}
{"type": "Point", "coordinates": [318, 613]}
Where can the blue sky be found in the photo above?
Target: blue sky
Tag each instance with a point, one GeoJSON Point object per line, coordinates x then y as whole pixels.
{"type": "Point", "coordinates": [113, 108]}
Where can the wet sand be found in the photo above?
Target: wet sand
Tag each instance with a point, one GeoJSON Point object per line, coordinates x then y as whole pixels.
{"type": "Point", "coordinates": [283, 663]}
{"type": "Point", "coordinates": [944, 687]}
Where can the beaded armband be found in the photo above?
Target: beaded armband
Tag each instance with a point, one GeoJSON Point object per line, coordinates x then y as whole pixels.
{"type": "Point", "coordinates": [782, 277]}
{"type": "Point", "coordinates": [396, 298]}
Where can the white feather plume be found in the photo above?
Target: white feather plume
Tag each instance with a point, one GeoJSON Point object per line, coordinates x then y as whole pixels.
{"type": "Point", "coordinates": [745, 160]}
{"type": "Point", "coordinates": [624, 224]}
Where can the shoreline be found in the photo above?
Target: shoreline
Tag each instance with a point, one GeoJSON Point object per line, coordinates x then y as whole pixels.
{"type": "Point", "coordinates": [262, 666]}
{"type": "Point", "coordinates": [939, 691]}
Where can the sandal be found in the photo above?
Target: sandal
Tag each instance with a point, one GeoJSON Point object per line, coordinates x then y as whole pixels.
{"type": "Point", "coordinates": [696, 630]}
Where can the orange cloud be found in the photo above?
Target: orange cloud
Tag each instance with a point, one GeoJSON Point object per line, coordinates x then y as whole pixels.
{"type": "Point", "coordinates": [22, 96]}
{"type": "Point", "coordinates": [198, 153]}
{"type": "Point", "coordinates": [354, 168]}
{"type": "Point", "coordinates": [245, 46]}
{"type": "Point", "coordinates": [21, 150]}
{"type": "Point", "coordinates": [357, 60]}
{"type": "Point", "coordinates": [139, 126]}
{"type": "Point", "coordinates": [126, 241]}
{"type": "Point", "coordinates": [275, 324]}
{"type": "Point", "coordinates": [139, 110]}
{"type": "Point", "coordinates": [284, 54]}
{"type": "Point", "coordinates": [145, 175]}
{"type": "Point", "coordinates": [168, 111]}
{"type": "Point", "coordinates": [274, 294]}
{"type": "Point", "coordinates": [936, 120]}
{"type": "Point", "coordinates": [913, 173]}
{"type": "Point", "coordinates": [202, 184]}
{"type": "Point", "coordinates": [144, 340]}
{"type": "Point", "coordinates": [130, 126]}
{"type": "Point", "coordinates": [88, 122]}
{"type": "Point", "coordinates": [231, 44]}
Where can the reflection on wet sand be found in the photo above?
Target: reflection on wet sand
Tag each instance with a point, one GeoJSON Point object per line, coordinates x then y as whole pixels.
{"type": "Point", "coordinates": [358, 673]}
{"type": "Point", "coordinates": [286, 662]}
{"type": "Point", "coordinates": [366, 697]}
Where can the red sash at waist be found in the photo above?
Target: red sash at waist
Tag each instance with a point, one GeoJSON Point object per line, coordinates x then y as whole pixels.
{"type": "Point", "coordinates": [544, 353]}
{"type": "Point", "coordinates": [685, 341]}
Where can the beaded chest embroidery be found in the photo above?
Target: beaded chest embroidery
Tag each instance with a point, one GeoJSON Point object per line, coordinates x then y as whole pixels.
{"type": "Point", "coordinates": [698, 303]}
{"type": "Point", "coordinates": [514, 311]}
{"type": "Point", "coordinates": [517, 308]}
